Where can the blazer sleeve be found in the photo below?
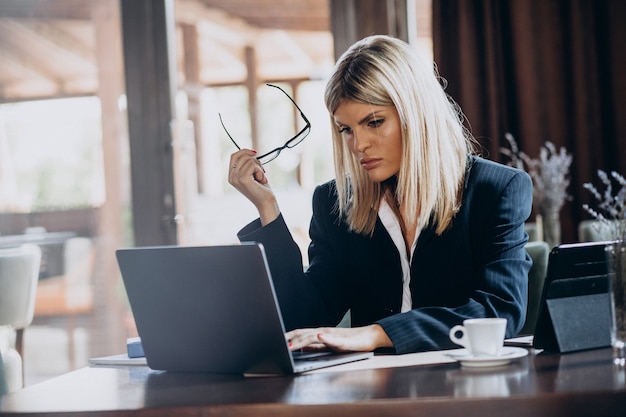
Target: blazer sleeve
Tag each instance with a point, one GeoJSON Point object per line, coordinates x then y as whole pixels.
{"type": "Point", "coordinates": [316, 296]}
{"type": "Point", "coordinates": [492, 261]}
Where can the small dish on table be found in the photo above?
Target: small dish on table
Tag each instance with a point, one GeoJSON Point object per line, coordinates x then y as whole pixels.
{"type": "Point", "coordinates": [508, 354]}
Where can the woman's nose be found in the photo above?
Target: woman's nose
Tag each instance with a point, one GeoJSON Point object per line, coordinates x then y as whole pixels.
{"type": "Point", "coordinates": [360, 141]}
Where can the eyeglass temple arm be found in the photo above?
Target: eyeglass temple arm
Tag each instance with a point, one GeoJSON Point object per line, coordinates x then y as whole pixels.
{"type": "Point", "coordinates": [292, 100]}
{"type": "Point", "coordinates": [226, 130]}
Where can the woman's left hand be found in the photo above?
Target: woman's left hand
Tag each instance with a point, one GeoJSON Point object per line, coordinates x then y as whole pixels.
{"type": "Point", "coordinates": [340, 339]}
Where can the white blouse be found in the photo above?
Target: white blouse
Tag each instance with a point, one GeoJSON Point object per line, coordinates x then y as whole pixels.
{"type": "Point", "coordinates": [392, 224]}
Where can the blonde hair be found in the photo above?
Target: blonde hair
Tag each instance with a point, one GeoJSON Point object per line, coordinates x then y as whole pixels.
{"type": "Point", "coordinates": [384, 71]}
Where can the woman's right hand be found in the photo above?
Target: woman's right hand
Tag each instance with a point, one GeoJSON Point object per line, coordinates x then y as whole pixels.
{"type": "Point", "coordinates": [247, 175]}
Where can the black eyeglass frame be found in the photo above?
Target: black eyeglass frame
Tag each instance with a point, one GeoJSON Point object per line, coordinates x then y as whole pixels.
{"type": "Point", "coordinates": [292, 142]}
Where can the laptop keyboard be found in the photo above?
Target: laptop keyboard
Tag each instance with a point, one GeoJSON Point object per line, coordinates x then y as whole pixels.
{"type": "Point", "coordinates": [300, 355]}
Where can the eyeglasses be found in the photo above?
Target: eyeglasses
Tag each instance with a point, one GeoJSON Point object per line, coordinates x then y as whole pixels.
{"type": "Point", "coordinates": [299, 137]}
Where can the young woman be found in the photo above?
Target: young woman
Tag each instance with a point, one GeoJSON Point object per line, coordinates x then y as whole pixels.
{"type": "Point", "coordinates": [414, 235]}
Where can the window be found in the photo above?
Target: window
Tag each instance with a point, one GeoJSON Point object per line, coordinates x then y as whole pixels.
{"type": "Point", "coordinates": [51, 155]}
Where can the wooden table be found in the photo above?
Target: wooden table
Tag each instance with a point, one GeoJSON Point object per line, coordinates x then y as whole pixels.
{"type": "Point", "coordinates": [576, 384]}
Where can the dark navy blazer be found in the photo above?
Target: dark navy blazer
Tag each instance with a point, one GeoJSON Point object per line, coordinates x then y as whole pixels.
{"type": "Point", "coordinates": [477, 268]}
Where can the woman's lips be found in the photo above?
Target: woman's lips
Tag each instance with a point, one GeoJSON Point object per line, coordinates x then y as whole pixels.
{"type": "Point", "coordinates": [370, 163]}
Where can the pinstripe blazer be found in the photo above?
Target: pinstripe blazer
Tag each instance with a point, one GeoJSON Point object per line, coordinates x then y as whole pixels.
{"type": "Point", "coordinates": [477, 268]}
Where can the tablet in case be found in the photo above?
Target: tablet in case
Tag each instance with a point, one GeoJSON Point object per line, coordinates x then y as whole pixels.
{"type": "Point", "coordinates": [575, 310]}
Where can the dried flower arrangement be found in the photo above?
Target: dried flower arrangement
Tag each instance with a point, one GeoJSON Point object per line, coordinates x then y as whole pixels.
{"type": "Point", "coordinates": [611, 212]}
{"type": "Point", "coordinates": [550, 175]}
{"type": "Point", "coordinates": [611, 215]}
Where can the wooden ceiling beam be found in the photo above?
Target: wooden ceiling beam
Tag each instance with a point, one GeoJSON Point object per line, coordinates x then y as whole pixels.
{"type": "Point", "coordinates": [46, 9]}
{"type": "Point", "coordinates": [55, 32]}
{"type": "Point", "coordinates": [40, 50]}
{"type": "Point", "coordinates": [13, 66]}
{"type": "Point", "coordinates": [52, 52]}
{"type": "Point", "coordinates": [308, 15]}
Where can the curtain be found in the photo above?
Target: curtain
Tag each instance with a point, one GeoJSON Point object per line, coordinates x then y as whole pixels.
{"type": "Point", "coordinates": [542, 70]}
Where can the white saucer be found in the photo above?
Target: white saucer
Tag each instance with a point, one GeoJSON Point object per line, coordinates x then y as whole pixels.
{"type": "Point", "coordinates": [507, 354]}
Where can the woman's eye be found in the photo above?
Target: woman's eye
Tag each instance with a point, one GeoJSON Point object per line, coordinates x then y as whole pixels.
{"type": "Point", "coordinates": [345, 131]}
{"type": "Point", "coordinates": [376, 122]}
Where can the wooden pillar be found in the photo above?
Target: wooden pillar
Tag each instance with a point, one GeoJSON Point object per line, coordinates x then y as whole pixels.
{"type": "Point", "coordinates": [305, 167]}
{"type": "Point", "coordinates": [108, 334]}
{"type": "Point", "coordinates": [352, 20]}
{"type": "Point", "coordinates": [252, 84]}
{"type": "Point", "coordinates": [193, 89]}
{"type": "Point", "coordinates": [148, 28]}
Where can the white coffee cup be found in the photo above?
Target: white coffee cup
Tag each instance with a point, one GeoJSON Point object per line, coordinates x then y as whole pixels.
{"type": "Point", "coordinates": [481, 337]}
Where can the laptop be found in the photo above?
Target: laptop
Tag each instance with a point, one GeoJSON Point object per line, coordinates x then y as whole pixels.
{"type": "Point", "coordinates": [212, 309]}
{"type": "Point", "coordinates": [575, 309]}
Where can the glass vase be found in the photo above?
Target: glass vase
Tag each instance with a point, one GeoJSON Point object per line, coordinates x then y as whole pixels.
{"type": "Point", "coordinates": [551, 226]}
{"type": "Point", "coordinates": [616, 257]}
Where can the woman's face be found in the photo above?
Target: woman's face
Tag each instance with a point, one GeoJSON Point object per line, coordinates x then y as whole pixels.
{"type": "Point", "coordinates": [374, 136]}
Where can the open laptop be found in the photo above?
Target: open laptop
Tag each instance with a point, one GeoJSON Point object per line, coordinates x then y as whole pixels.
{"type": "Point", "coordinates": [211, 309]}
{"type": "Point", "coordinates": [575, 309]}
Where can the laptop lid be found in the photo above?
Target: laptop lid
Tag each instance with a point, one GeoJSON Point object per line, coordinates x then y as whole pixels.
{"type": "Point", "coordinates": [210, 309]}
{"type": "Point", "coordinates": [574, 312]}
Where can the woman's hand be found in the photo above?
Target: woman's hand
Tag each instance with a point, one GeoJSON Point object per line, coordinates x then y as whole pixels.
{"type": "Point", "coordinates": [247, 175]}
{"type": "Point", "coordinates": [340, 339]}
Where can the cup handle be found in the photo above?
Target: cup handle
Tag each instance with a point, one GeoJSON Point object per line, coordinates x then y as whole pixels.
{"type": "Point", "coordinates": [459, 340]}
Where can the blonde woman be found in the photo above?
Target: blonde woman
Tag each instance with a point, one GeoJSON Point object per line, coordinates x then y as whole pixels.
{"type": "Point", "coordinates": [414, 235]}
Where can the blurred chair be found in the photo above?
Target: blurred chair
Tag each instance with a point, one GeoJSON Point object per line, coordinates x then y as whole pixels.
{"type": "Point", "coordinates": [3, 381]}
{"type": "Point", "coordinates": [19, 273]}
{"type": "Point", "coordinates": [539, 252]}
{"type": "Point", "coordinates": [594, 231]}
{"type": "Point", "coordinates": [531, 230]}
